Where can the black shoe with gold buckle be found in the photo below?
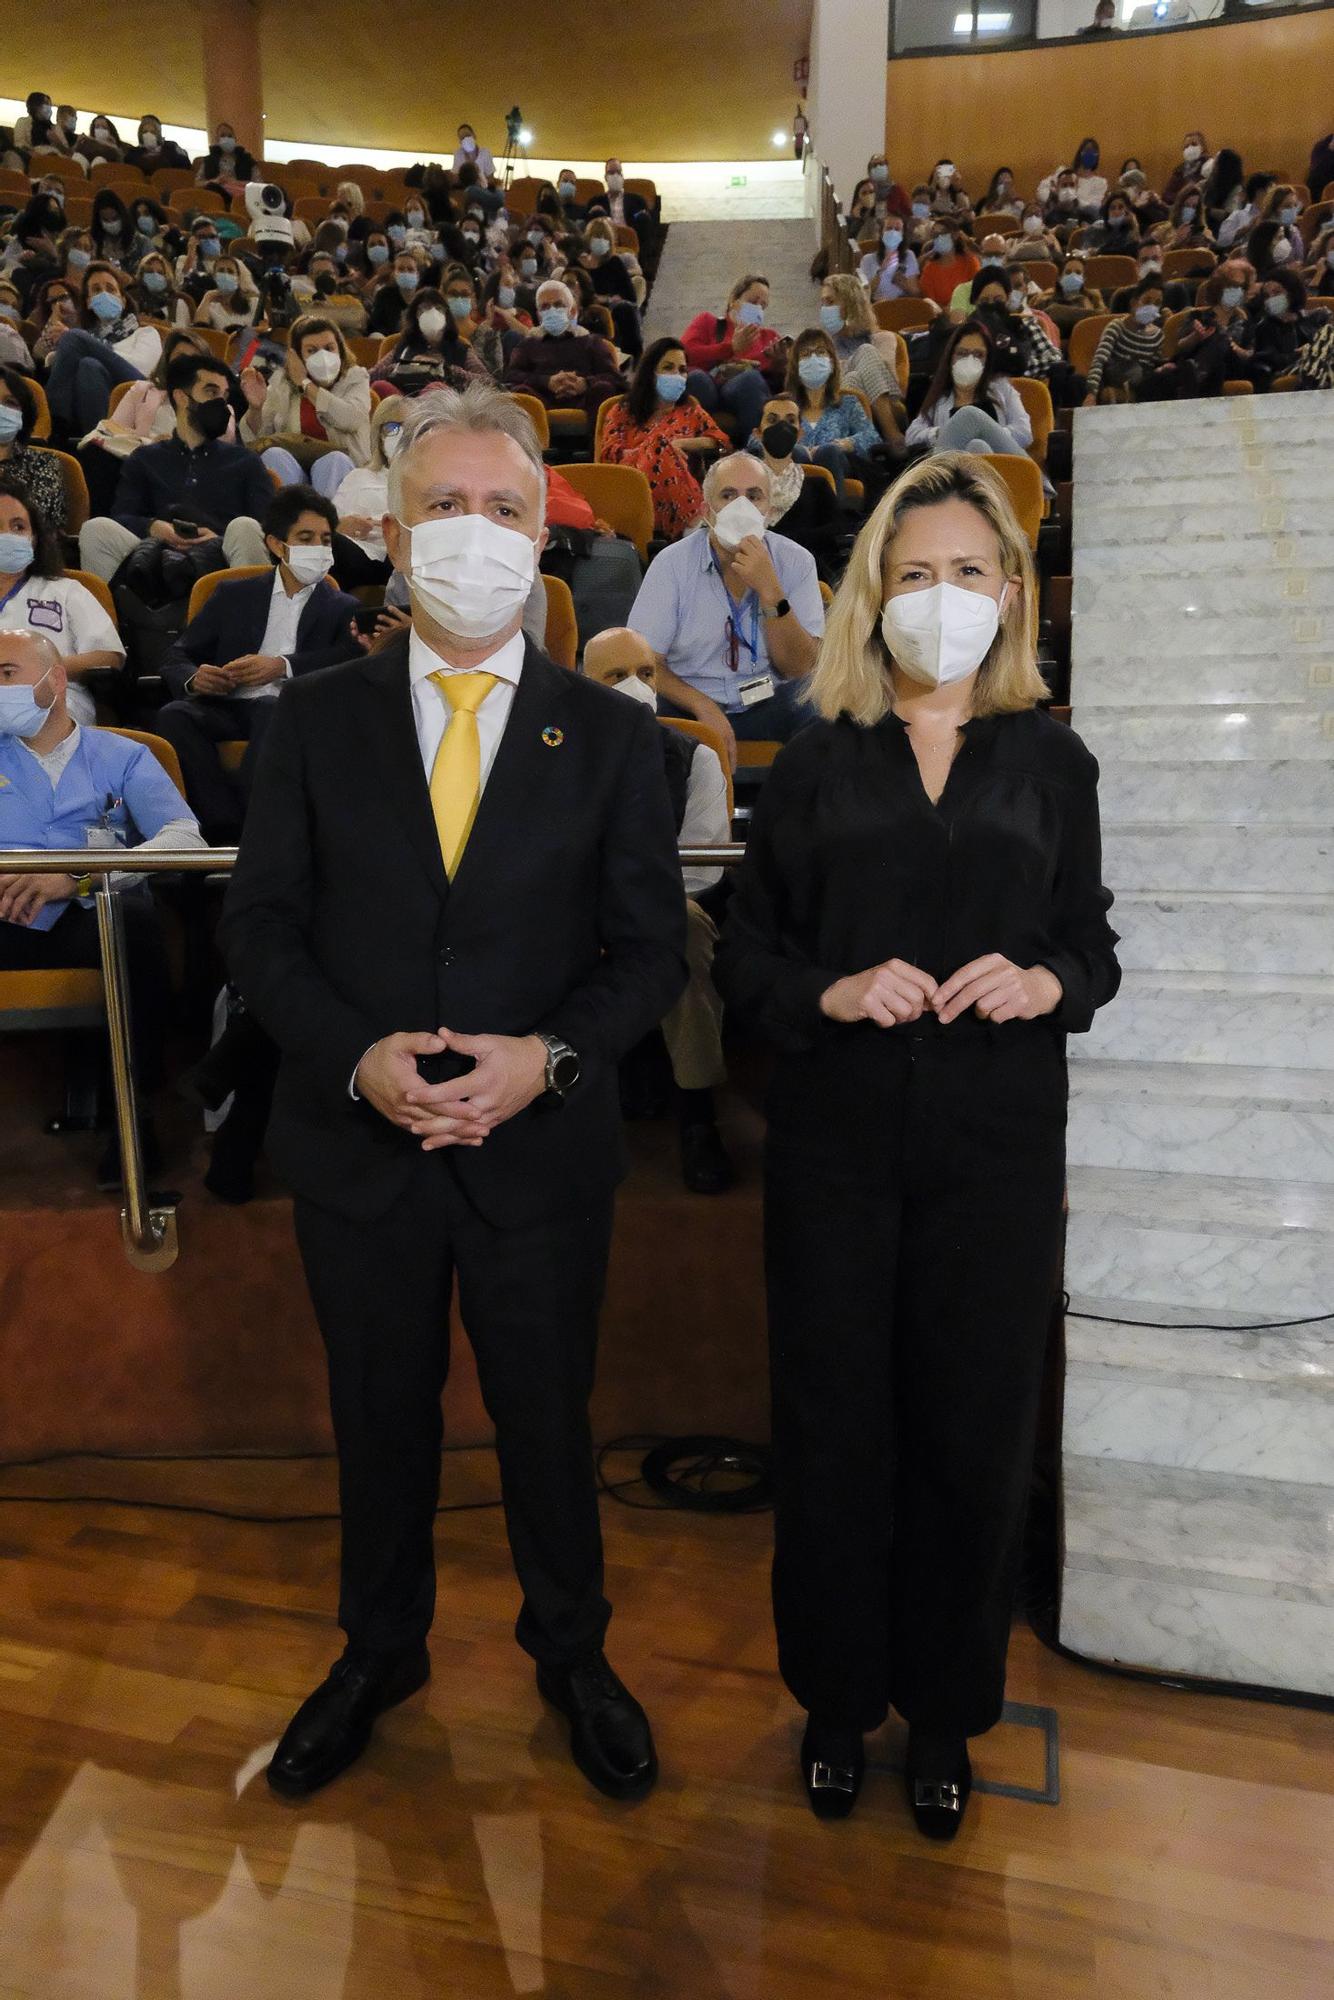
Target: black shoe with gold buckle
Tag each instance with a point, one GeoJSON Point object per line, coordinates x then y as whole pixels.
{"type": "Point", "coordinates": [939, 1778]}
{"type": "Point", "coordinates": [833, 1763]}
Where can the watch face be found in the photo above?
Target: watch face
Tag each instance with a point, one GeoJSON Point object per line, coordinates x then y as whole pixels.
{"type": "Point", "coordinates": [564, 1070]}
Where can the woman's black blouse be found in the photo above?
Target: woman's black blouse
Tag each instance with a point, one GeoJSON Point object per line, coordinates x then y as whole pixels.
{"type": "Point", "coordinates": [849, 864]}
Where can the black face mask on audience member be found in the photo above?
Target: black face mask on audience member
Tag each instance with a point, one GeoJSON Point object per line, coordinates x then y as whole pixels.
{"type": "Point", "coordinates": [779, 438]}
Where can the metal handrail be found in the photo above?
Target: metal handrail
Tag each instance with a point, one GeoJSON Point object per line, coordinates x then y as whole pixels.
{"type": "Point", "coordinates": [149, 1232]}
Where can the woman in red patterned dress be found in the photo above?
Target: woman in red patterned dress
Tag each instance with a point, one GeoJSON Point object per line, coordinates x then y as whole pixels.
{"type": "Point", "coordinates": [662, 430]}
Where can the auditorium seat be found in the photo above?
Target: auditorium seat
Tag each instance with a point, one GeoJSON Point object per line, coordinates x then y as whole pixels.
{"type": "Point", "coordinates": [902, 315]}
{"type": "Point", "coordinates": [1109, 273]}
{"type": "Point", "coordinates": [562, 637]}
{"type": "Point", "coordinates": [76, 486]}
{"type": "Point", "coordinates": [537, 411]}
{"type": "Point", "coordinates": [686, 725]}
{"type": "Point", "coordinates": [1022, 479]}
{"type": "Point", "coordinates": [1036, 399]}
{"type": "Point", "coordinates": [206, 585]}
{"type": "Point", "coordinates": [1084, 338]}
{"type": "Point", "coordinates": [620, 495]}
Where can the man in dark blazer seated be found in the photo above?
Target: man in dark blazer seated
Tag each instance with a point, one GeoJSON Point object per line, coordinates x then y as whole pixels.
{"type": "Point", "coordinates": [458, 903]}
{"type": "Point", "coordinates": [254, 634]}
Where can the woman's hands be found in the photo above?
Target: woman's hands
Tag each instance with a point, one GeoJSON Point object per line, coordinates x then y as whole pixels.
{"type": "Point", "coordinates": [896, 993]}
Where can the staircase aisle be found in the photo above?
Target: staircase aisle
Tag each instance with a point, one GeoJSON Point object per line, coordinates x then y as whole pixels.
{"type": "Point", "coordinates": [1199, 1463]}
{"type": "Point", "coordinates": [701, 262]}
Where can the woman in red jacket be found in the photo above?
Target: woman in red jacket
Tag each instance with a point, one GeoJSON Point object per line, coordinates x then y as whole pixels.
{"type": "Point", "coordinates": [736, 362]}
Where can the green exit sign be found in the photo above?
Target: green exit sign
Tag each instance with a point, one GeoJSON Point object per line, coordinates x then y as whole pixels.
{"type": "Point", "coordinates": [738, 180]}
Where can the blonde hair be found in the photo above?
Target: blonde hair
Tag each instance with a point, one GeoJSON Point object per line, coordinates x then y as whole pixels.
{"type": "Point", "coordinates": [851, 675]}
{"type": "Point", "coordinates": [850, 296]}
{"type": "Point", "coordinates": [352, 196]}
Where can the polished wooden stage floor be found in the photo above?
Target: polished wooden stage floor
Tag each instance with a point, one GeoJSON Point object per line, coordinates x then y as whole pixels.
{"type": "Point", "coordinates": [149, 1659]}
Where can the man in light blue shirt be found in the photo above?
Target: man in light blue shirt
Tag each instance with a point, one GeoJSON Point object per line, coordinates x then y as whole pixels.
{"type": "Point", "coordinates": [733, 613]}
{"type": "Point", "coordinates": [62, 785]}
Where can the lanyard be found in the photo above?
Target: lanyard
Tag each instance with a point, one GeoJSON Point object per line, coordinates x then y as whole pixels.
{"type": "Point", "coordinates": [752, 645]}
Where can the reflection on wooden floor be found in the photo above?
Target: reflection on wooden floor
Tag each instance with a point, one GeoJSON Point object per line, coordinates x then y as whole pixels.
{"type": "Point", "coordinates": [148, 1661]}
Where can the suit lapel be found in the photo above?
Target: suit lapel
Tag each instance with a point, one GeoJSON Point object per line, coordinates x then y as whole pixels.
{"type": "Point", "coordinates": [522, 765]}
{"type": "Point", "coordinates": [392, 731]}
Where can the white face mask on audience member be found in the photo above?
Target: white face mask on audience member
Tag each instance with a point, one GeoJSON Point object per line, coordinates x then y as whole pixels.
{"type": "Point", "coordinates": [323, 366]}
{"type": "Point", "coordinates": [735, 520]}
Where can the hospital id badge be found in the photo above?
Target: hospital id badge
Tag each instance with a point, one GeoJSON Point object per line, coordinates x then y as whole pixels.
{"type": "Point", "coordinates": [757, 689]}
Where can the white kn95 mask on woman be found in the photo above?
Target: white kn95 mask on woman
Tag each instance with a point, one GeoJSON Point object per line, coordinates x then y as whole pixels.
{"type": "Point", "coordinates": [942, 634]}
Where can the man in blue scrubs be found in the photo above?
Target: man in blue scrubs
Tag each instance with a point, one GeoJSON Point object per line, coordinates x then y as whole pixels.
{"type": "Point", "coordinates": [63, 785]}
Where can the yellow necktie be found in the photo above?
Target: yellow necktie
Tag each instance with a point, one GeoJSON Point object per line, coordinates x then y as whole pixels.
{"type": "Point", "coordinates": [456, 775]}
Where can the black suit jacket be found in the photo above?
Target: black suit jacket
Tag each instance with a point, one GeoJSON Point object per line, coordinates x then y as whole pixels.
{"type": "Point", "coordinates": [566, 917]}
{"type": "Point", "coordinates": [232, 622]}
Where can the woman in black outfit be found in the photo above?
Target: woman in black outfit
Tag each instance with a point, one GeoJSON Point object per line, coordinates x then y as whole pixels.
{"type": "Point", "coordinates": [919, 923]}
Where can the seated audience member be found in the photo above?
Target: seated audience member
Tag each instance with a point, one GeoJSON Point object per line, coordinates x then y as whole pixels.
{"type": "Point", "coordinates": [110, 229]}
{"type": "Point", "coordinates": [563, 366]}
{"type": "Point", "coordinates": [622, 659]}
{"type": "Point", "coordinates": [1024, 346]}
{"type": "Point", "coordinates": [1090, 184]}
{"type": "Point", "coordinates": [194, 267]}
{"type": "Point", "coordinates": [1318, 272]}
{"type": "Point", "coordinates": [991, 256]}
{"type": "Point", "coordinates": [733, 612]}
{"type": "Point", "coordinates": [1223, 189]}
{"type": "Point", "coordinates": [65, 785]}
{"type": "Point", "coordinates": [391, 297]}
{"type": "Point", "coordinates": [252, 635]}
{"type": "Point", "coordinates": [970, 406]}
{"type": "Point", "coordinates": [143, 415]}
{"type": "Point", "coordinates": [152, 295]}
{"type": "Point", "coordinates": [867, 357]}
{"type": "Point", "coordinates": [1320, 172]}
{"type": "Point", "coordinates": [233, 301]}
{"type": "Point", "coordinates": [483, 348]}
{"type": "Point", "coordinates": [55, 310]}
{"type": "Point", "coordinates": [737, 361]}
{"type": "Point", "coordinates": [802, 510]}
{"type": "Point", "coordinates": [1280, 327]}
{"type": "Point", "coordinates": [948, 195]}
{"type": "Point", "coordinates": [14, 350]}
{"type": "Point", "coordinates": [1116, 234]}
{"type": "Point", "coordinates": [362, 501]}
{"type": "Point", "coordinates": [106, 347]}
{"type": "Point", "coordinates": [226, 165]}
{"type": "Point", "coordinates": [1149, 209]}
{"type": "Point", "coordinates": [890, 198]}
{"type": "Point", "coordinates": [1236, 227]}
{"type": "Point", "coordinates": [190, 489]}
{"type": "Point", "coordinates": [893, 271]}
{"type": "Point", "coordinates": [101, 142]}
{"type": "Point", "coordinates": [613, 285]}
{"type": "Point", "coordinates": [1001, 194]}
{"type": "Point", "coordinates": [1269, 249]}
{"type": "Point", "coordinates": [1186, 227]}
{"type": "Point", "coordinates": [658, 426]}
{"type": "Point", "coordinates": [430, 352]}
{"type": "Point", "coordinates": [469, 153]}
{"type": "Point", "coordinates": [37, 596]}
{"type": "Point", "coordinates": [1035, 241]}
{"type": "Point", "coordinates": [22, 462]}
{"type": "Point", "coordinates": [1189, 169]}
{"type": "Point", "coordinates": [148, 228]}
{"type": "Point", "coordinates": [153, 151]}
{"type": "Point", "coordinates": [313, 416]}
{"type": "Point", "coordinates": [1214, 346]}
{"type": "Point", "coordinates": [836, 431]}
{"type": "Point", "coordinates": [502, 311]}
{"type": "Point", "coordinates": [1315, 363]}
{"type": "Point", "coordinates": [948, 263]}
{"type": "Point", "coordinates": [862, 219]}
{"type": "Point", "coordinates": [1130, 349]}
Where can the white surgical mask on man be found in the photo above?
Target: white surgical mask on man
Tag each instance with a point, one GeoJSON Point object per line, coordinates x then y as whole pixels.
{"type": "Point", "coordinates": [737, 519]}
{"type": "Point", "coordinates": [309, 562]}
{"type": "Point", "coordinates": [470, 574]}
{"type": "Point", "coordinates": [942, 634]}
{"type": "Point", "coordinates": [637, 690]}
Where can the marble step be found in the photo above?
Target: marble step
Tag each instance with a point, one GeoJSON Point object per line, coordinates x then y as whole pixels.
{"type": "Point", "coordinates": [1238, 1531]}
{"type": "Point", "coordinates": [1190, 628]}
{"type": "Point", "coordinates": [1224, 678]}
{"type": "Point", "coordinates": [1214, 1017]}
{"type": "Point", "coordinates": [1293, 792]}
{"type": "Point", "coordinates": [1203, 930]}
{"type": "Point", "coordinates": [1192, 1419]}
{"type": "Point", "coordinates": [1158, 592]}
{"type": "Point", "coordinates": [1203, 734]}
{"type": "Point", "coordinates": [1201, 1118]}
{"type": "Point", "coordinates": [1176, 1245]}
{"type": "Point", "coordinates": [1249, 506]}
{"type": "Point", "coordinates": [1166, 858]}
{"type": "Point", "coordinates": [1192, 1572]}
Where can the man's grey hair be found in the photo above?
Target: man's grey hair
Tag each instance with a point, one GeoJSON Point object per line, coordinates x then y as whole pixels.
{"type": "Point", "coordinates": [479, 410]}
{"type": "Point", "coordinates": [558, 285]}
{"type": "Point", "coordinates": [714, 477]}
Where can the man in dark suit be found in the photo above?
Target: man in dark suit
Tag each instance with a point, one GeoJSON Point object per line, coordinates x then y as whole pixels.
{"type": "Point", "coordinates": [458, 903]}
{"type": "Point", "coordinates": [252, 636]}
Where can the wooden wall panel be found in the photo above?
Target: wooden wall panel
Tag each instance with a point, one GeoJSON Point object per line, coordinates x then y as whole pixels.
{"type": "Point", "coordinates": [1261, 86]}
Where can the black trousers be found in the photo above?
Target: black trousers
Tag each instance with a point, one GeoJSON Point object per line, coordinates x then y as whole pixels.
{"type": "Point", "coordinates": [910, 1287]}
{"type": "Point", "coordinates": [72, 941]}
{"type": "Point", "coordinates": [530, 1300]}
{"type": "Point", "coordinates": [194, 726]}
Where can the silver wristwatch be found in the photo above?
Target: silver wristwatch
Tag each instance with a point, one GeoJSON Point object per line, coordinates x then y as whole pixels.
{"type": "Point", "coordinates": [562, 1065]}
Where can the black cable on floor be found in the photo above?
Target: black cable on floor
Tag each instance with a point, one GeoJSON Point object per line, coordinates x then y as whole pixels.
{"type": "Point", "coordinates": [1197, 1325]}
{"type": "Point", "coordinates": [685, 1473]}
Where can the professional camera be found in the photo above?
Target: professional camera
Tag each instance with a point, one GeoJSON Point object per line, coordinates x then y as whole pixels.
{"type": "Point", "coordinates": [266, 205]}
{"type": "Point", "coordinates": [513, 125]}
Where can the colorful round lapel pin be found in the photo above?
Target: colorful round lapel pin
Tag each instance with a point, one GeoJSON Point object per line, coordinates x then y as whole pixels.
{"type": "Point", "coordinates": [553, 737]}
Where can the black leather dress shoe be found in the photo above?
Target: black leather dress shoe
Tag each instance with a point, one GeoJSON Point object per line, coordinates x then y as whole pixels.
{"type": "Point", "coordinates": [833, 1764]}
{"type": "Point", "coordinates": [610, 1739]}
{"type": "Point", "coordinates": [333, 1726]}
{"type": "Point", "coordinates": [939, 1778]}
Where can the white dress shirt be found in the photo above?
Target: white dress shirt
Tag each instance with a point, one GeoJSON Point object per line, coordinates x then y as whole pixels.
{"type": "Point", "coordinates": [279, 640]}
{"type": "Point", "coordinates": [428, 706]}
